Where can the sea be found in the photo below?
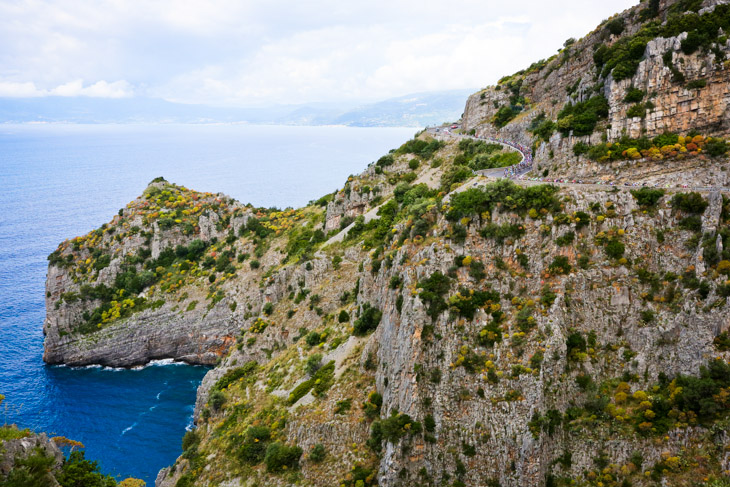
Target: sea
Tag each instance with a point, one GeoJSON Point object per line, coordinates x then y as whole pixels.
{"type": "Point", "coordinates": [60, 181]}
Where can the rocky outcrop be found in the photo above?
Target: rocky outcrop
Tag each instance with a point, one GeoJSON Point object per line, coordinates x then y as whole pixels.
{"type": "Point", "coordinates": [14, 450]}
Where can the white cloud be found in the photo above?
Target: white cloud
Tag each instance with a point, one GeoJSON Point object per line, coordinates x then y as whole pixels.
{"type": "Point", "coordinates": [100, 89]}
{"type": "Point", "coordinates": [248, 52]}
{"type": "Point", "coordinates": [10, 89]}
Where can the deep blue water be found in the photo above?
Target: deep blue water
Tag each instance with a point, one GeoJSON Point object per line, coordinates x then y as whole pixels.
{"type": "Point", "coordinates": [59, 181]}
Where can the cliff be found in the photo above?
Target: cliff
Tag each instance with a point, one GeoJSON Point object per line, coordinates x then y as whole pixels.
{"type": "Point", "coordinates": [424, 325]}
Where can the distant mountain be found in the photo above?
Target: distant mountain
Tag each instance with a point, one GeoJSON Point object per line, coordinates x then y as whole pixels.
{"type": "Point", "coordinates": [414, 110]}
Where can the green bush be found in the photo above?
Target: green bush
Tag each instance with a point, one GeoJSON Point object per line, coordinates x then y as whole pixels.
{"type": "Point", "coordinates": [34, 471]}
{"type": "Point", "coordinates": [580, 148]}
{"type": "Point", "coordinates": [560, 265]}
{"type": "Point", "coordinates": [79, 472]}
{"type": "Point", "coordinates": [581, 118]}
{"type": "Point", "coordinates": [566, 239]}
{"type": "Point", "coordinates": [368, 321]}
{"type": "Point", "coordinates": [647, 197]}
{"type": "Point", "coordinates": [422, 148]}
{"type": "Point", "coordinates": [638, 110]}
{"type": "Point", "coordinates": [313, 338]}
{"type": "Point", "coordinates": [318, 453]}
{"type": "Point", "coordinates": [314, 362]}
{"type": "Point", "coordinates": [634, 95]}
{"type": "Point", "coordinates": [453, 175]}
{"type": "Point", "coordinates": [343, 317]}
{"type": "Point", "coordinates": [505, 114]}
{"type": "Point", "coordinates": [689, 202]}
{"type": "Point", "coordinates": [280, 457]}
{"type": "Point", "coordinates": [716, 147]}
{"type": "Point", "coordinates": [253, 448]}
{"type": "Point", "coordinates": [216, 400]}
{"type": "Point", "coordinates": [615, 249]}
{"type": "Point", "coordinates": [433, 289]}
{"type": "Point", "coordinates": [616, 26]}
{"type": "Point", "coordinates": [575, 344]}
{"type": "Point", "coordinates": [475, 201]}
{"type": "Point", "coordinates": [190, 439]}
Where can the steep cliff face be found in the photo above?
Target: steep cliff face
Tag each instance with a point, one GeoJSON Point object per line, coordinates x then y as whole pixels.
{"type": "Point", "coordinates": [515, 341]}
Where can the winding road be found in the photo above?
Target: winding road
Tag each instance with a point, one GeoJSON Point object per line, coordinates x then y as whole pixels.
{"type": "Point", "coordinates": [519, 171]}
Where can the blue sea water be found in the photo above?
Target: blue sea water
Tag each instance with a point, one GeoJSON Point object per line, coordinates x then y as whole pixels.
{"type": "Point", "coordinates": [59, 181]}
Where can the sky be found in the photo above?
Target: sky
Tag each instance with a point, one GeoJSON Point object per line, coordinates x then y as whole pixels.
{"type": "Point", "coordinates": [256, 53]}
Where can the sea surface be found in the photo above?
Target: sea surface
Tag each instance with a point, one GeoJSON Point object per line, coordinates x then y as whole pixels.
{"type": "Point", "coordinates": [60, 181]}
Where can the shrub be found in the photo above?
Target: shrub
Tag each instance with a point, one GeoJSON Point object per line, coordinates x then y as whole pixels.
{"type": "Point", "coordinates": [616, 26]}
{"type": "Point", "coordinates": [647, 197]}
{"type": "Point", "coordinates": [615, 249]}
{"type": "Point", "coordinates": [575, 345]}
{"type": "Point", "coordinates": [580, 148]}
{"type": "Point", "coordinates": [634, 95]}
{"type": "Point", "coordinates": [565, 239]}
{"type": "Point", "coordinates": [560, 265]}
{"type": "Point", "coordinates": [79, 472]}
{"type": "Point", "coordinates": [234, 375]}
{"type": "Point", "coordinates": [453, 175]}
{"type": "Point", "coordinates": [716, 147]}
{"type": "Point", "coordinates": [581, 118]}
{"type": "Point", "coordinates": [696, 84]}
{"type": "Point", "coordinates": [638, 110]}
{"type": "Point", "coordinates": [398, 425]}
{"type": "Point", "coordinates": [216, 400]}
{"type": "Point", "coordinates": [314, 362]}
{"type": "Point", "coordinates": [372, 405]}
{"type": "Point", "coordinates": [343, 317]}
{"type": "Point", "coordinates": [504, 115]}
{"type": "Point", "coordinates": [313, 338]}
{"type": "Point", "coordinates": [432, 291]}
{"type": "Point", "coordinates": [253, 449]}
{"type": "Point", "coordinates": [318, 453]}
{"type": "Point", "coordinates": [368, 321]}
{"type": "Point", "coordinates": [689, 202]}
{"type": "Point", "coordinates": [502, 232]}
{"type": "Point", "coordinates": [281, 457]}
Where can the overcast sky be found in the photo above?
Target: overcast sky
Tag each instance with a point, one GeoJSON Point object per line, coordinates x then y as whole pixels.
{"type": "Point", "coordinates": [246, 53]}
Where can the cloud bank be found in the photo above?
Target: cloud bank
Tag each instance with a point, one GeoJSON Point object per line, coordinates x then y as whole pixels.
{"type": "Point", "coordinates": [246, 53]}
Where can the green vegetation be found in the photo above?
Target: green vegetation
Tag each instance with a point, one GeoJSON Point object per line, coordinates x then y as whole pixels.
{"type": "Point", "coordinates": [623, 57]}
{"type": "Point", "coordinates": [647, 197]}
{"type": "Point", "coordinates": [477, 154]}
{"type": "Point", "coordinates": [368, 321]}
{"type": "Point", "coordinates": [476, 201]}
{"type": "Point", "coordinates": [581, 118]}
{"type": "Point", "coordinates": [392, 430]}
{"type": "Point", "coordinates": [692, 203]}
{"type": "Point", "coordinates": [432, 293]}
{"type": "Point", "coordinates": [280, 457]}
{"type": "Point", "coordinates": [542, 127]}
{"type": "Point", "coordinates": [665, 146]}
{"type": "Point", "coordinates": [79, 472]}
{"type": "Point", "coordinates": [422, 148]}
{"type": "Point", "coordinates": [320, 382]}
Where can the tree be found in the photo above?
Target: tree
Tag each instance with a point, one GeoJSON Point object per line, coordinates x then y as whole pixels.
{"type": "Point", "coordinates": [79, 472]}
